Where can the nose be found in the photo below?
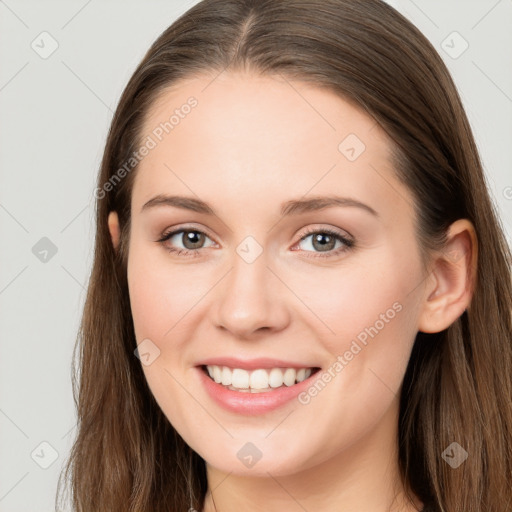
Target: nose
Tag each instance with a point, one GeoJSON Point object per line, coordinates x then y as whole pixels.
{"type": "Point", "coordinates": [251, 300]}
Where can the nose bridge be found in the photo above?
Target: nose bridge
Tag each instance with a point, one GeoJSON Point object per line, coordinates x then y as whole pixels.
{"type": "Point", "coordinates": [250, 298]}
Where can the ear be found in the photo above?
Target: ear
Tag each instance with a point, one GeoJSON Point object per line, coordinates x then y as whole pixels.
{"type": "Point", "coordinates": [451, 283]}
{"type": "Point", "coordinates": [113, 227]}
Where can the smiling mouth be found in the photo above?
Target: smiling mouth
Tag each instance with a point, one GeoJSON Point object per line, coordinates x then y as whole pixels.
{"type": "Point", "coordinates": [260, 380]}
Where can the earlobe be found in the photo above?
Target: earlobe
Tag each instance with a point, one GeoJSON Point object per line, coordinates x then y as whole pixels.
{"type": "Point", "coordinates": [452, 280]}
{"type": "Point", "coordinates": [113, 227]}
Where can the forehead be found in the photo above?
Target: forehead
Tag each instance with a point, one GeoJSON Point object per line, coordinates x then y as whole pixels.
{"type": "Point", "coordinates": [249, 134]}
{"type": "Point", "coordinates": [238, 107]}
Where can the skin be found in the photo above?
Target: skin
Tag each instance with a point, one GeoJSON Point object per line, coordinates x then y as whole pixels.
{"type": "Point", "coordinates": [251, 144]}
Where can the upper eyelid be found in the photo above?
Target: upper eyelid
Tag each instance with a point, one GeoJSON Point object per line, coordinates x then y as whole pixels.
{"type": "Point", "coordinates": [174, 231]}
{"type": "Point", "coordinates": [337, 231]}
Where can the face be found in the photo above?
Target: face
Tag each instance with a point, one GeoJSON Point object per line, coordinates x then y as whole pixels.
{"type": "Point", "coordinates": [291, 255]}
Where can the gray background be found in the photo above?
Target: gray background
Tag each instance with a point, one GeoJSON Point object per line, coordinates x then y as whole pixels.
{"type": "Point", "coordinates": [55, 113]}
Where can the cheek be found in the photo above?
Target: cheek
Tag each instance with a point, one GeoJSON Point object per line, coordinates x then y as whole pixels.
{"type": "Point", "coordinates": [343, 302]}
{"type": "Point", "coordinates": [149, 299]}
{"type": "Point", "coordinates": [160, 297]}
{"type": "Point", "coordinates": [368, 317]}
{"type": "Point", "coordinates": [161, 294]}
{"type": "Point", "coordinates": [373, 321]}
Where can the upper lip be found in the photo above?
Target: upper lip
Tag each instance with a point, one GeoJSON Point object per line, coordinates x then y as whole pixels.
{"type": "Point", "coordinates": [252, 364]}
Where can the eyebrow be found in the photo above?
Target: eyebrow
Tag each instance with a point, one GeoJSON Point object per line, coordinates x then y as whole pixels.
{"type": "Point", "coordinates": [292, 207]}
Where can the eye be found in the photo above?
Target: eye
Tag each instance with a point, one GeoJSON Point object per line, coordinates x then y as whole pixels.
{"type": "Point", "coordinates": [324, 241]}
{"type": "Point", "coordinates": [327, 241]}
{"type": "Point", "coordinates": [192, 240]}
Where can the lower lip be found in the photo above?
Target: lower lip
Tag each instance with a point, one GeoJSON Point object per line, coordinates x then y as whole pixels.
{"type": "Point", "coordinates": [252, 403]}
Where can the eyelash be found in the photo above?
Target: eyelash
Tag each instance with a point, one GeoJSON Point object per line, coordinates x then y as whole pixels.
{"type": "Point", "coordinates": [348, 243]}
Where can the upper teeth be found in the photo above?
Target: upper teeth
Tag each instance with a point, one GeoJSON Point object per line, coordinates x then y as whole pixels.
{"type": "Point", "coordinates": [257, 379]}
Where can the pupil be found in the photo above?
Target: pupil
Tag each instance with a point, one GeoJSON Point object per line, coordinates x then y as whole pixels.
{"type": "Point", "coordinates": [324, 245]}
{"type": "Point", "coordinates": [189, 238]}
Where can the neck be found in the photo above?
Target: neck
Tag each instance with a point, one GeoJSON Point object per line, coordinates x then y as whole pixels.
{"type": "Point", "coordinates": [365, 477]}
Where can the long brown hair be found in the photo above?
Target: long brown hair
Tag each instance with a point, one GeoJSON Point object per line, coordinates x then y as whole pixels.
{"type": "Point", "coordinates": [458, 385]}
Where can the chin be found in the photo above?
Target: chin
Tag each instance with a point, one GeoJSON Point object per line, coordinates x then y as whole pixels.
{"type": "Point", "coordinates": [258, 459]}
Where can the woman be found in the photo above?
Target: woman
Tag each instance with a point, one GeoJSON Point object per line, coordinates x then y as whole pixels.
{"type": "Point", "coordinates": [301, 295]}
